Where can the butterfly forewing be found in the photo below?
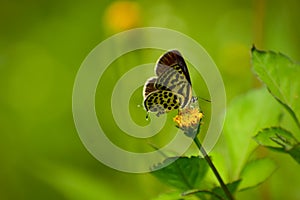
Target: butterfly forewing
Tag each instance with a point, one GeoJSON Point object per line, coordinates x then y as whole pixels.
{"type": "Point", "coordinates": [174, 60]}
{"type": "Point", "coordinates": [174, 81]}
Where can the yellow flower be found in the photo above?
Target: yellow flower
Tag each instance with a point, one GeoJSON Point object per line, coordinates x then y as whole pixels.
{"type": "Point", "coordinates": [188, 120]}
{"type": "Point", "coordinates": [122, 15]}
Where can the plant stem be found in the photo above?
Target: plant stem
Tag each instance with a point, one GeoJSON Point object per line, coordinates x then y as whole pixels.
{"type": "Point", "coordinates": [213, 168]}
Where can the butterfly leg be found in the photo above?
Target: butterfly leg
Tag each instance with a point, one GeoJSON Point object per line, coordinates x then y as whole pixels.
{"type": "Point", "coordinates": [147, 116]}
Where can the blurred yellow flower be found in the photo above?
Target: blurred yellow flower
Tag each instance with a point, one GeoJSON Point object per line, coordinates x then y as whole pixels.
{"type": "Point", "coordinates": [122, 15]}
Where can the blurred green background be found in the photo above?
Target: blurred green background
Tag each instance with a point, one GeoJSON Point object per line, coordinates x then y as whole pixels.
{"type": "Point", "coordinates": [43, 43]}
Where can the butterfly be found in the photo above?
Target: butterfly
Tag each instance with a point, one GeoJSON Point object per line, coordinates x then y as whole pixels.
{"type": "Point", "coordinates": [171, 88]}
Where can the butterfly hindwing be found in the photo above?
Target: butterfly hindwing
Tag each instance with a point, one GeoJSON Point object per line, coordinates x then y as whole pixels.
{"type": "Point", "coordinates": [149, 86]}
{"type": "Point", "coordinates": [162, 101]}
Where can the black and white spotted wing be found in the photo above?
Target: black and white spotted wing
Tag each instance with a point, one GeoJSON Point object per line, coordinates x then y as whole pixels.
{"type": "Point", "coordinates": [171, 89]}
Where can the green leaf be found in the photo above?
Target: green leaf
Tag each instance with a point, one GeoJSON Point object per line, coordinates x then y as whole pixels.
{"type": "Point", "coordinates": [175, 195]}
{"type": "Point", "coordinates": [281, 75]}
{"type": "Point", "coordinates": [246, 115]}
{"type": "Point", "coordinates": [295, 152]}
{"type": "Point", "coordinates": [184, 173]}
{"type": "Point", "coordinates": [202, 194]}
{"type": "Point", "coordinates": [255, 172]}
{"type": "Point", "coordinates": [277, 138]}
{"type": "Point", "coordinates": [216, 193]}
{"type": "Point", "coordinates": [232, 187]}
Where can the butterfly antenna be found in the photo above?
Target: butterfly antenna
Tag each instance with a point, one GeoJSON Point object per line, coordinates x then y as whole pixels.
{"type": "Point", "coordinates": [204, 99]}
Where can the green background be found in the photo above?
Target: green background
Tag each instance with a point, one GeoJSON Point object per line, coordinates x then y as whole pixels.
{"type": "Point", "coordinates": [42, 45]}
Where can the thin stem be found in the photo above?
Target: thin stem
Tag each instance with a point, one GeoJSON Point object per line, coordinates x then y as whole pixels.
{"type": "Point", "coordinates": [213, 168]}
